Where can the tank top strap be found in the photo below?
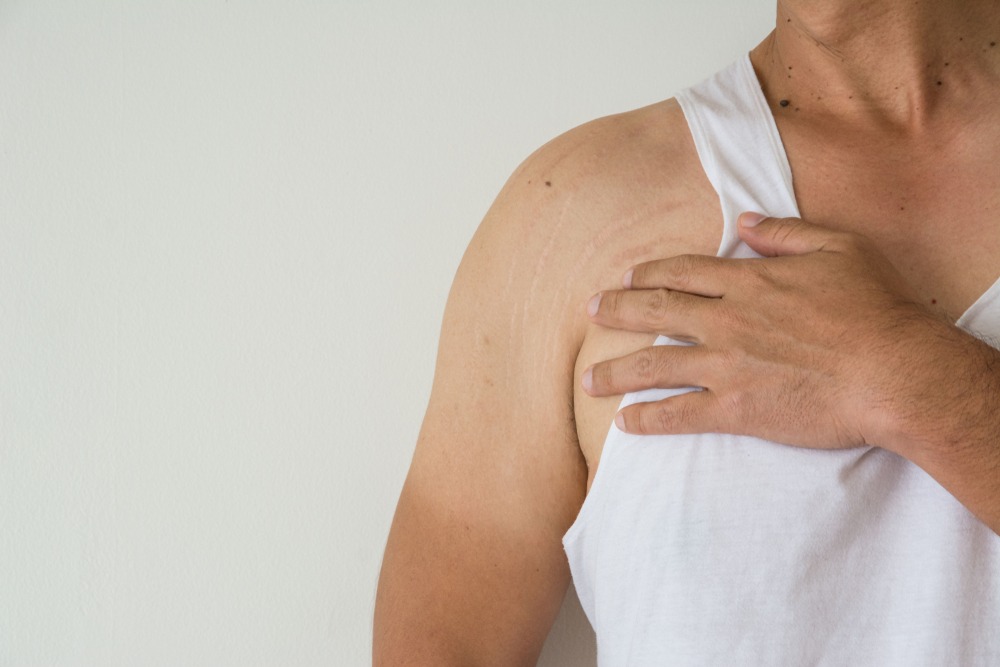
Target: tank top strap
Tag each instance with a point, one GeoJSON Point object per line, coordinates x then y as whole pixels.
{"type": "Point", "coordinates": [740, 149]}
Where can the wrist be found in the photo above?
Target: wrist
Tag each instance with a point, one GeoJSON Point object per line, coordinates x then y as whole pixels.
{"type": "Point", "coordinates": [945, 395]}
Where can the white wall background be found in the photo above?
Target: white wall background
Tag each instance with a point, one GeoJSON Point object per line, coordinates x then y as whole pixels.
{"type": "Point", "coordinates": [227, 232]}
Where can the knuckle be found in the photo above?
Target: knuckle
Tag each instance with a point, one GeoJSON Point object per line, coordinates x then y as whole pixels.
{"type": "Point", "coordinates": [663, 418]}
{"type": "Point", "coordinates": [644, 364]}
{"type": "Point", "coordinates": [678, 271]}
{"type": "Point", "coordinates": [655, 305]}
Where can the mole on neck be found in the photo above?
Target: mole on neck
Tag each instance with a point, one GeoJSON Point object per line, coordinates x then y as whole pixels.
{"type": "Point", "coordinates": [903, 61]}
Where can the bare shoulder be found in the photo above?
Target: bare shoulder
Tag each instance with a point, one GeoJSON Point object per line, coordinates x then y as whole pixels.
{"type": "Point", "coordinates": [632, 190]}
{"type": "Point", "coordinates": [597, 200]}
{"type": "Point", "coordinates": [570, 221]}
{"type": "Point", "coordinates": [474, 564]}
{"type": "Point", "coordinates": [587, 205]}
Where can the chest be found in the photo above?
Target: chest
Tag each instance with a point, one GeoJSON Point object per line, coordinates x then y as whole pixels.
{"type": "Point", "coordinates": [933, 209]}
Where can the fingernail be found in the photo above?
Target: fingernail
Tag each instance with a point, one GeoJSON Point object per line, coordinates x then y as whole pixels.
{"type": "Point", "coordinates": [627, 279]}
{"type": "Point", "coordinates": [595, 302]}
{"type": "Point", "coordinates": [620, 421]}
{"type": "Point", "coordinates": [588, 379]}
{"type": "Point", "coordinates": [751, 219]}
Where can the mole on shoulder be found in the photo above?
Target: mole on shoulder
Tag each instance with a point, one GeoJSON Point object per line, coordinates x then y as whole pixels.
{"type": "Point", "coordinates": [992, 44]}
{"type": "Point", "coordinates": [783, 103]}
{"type": "Point", "coordinates": [939, 83]}
{"type": "Point", "coordinates": [548, 183]}
{"type": "Point", "coordinates": [933, 302]}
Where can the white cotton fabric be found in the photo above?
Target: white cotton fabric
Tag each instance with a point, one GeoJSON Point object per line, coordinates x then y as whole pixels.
{"type": "Point", "coordinates": [725, 550]}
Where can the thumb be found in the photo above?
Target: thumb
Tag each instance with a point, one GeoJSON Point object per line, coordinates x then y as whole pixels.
{"type": "Point", "coordinates": [772, 237]}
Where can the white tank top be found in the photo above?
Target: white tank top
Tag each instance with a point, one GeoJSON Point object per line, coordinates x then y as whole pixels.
{"type": "Point", "coordinates": [728, 550]}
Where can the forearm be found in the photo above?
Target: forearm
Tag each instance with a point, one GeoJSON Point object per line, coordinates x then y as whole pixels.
{"type": "Point", "coordinates": [950, 426]}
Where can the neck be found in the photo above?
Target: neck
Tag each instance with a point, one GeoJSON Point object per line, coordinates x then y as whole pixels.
{"type": "Point", "coordinates": [907, 63]}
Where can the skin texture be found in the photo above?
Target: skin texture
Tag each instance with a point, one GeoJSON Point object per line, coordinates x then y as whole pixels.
{"type": "Point", "coordinates": [474, 571]}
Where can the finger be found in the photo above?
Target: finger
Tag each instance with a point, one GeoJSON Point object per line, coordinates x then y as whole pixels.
{"type": "Point", "coordinates": [773, 237]}
{"type": "Point", "coordinates": [695, 274]}
{"type": "Point", "coordinates": [662, 366]}
{"type": "Point", "coordinates": [693, 412]}
{"type": "Point", "coordinates": [675, 314]}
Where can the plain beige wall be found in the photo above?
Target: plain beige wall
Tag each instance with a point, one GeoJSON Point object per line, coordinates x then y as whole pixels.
{"type": "Point", "coordinates": [227, 232]}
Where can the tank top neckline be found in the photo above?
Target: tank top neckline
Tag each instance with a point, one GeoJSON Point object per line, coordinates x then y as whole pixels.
{"type": "Point", "coordinates": [984, 302]}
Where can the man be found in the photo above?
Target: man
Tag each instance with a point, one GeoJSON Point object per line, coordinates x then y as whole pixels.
{"type": "Point", "coordinates": [842, 338]}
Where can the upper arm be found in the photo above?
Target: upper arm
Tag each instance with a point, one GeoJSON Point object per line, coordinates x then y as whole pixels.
{"type": "Point", "coordinates": [474, 569]}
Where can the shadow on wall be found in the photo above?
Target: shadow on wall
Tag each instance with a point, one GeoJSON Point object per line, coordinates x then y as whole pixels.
{"type": "Point", "coordinates": [572, 642]}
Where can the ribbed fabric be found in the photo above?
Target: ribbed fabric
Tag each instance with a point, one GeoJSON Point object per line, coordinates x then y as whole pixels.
{"type": "Point", "coordinates": [726, 550]}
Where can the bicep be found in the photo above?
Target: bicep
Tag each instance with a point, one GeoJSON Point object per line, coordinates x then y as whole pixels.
{"type": "Point", "coordinates": [474, 567]}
